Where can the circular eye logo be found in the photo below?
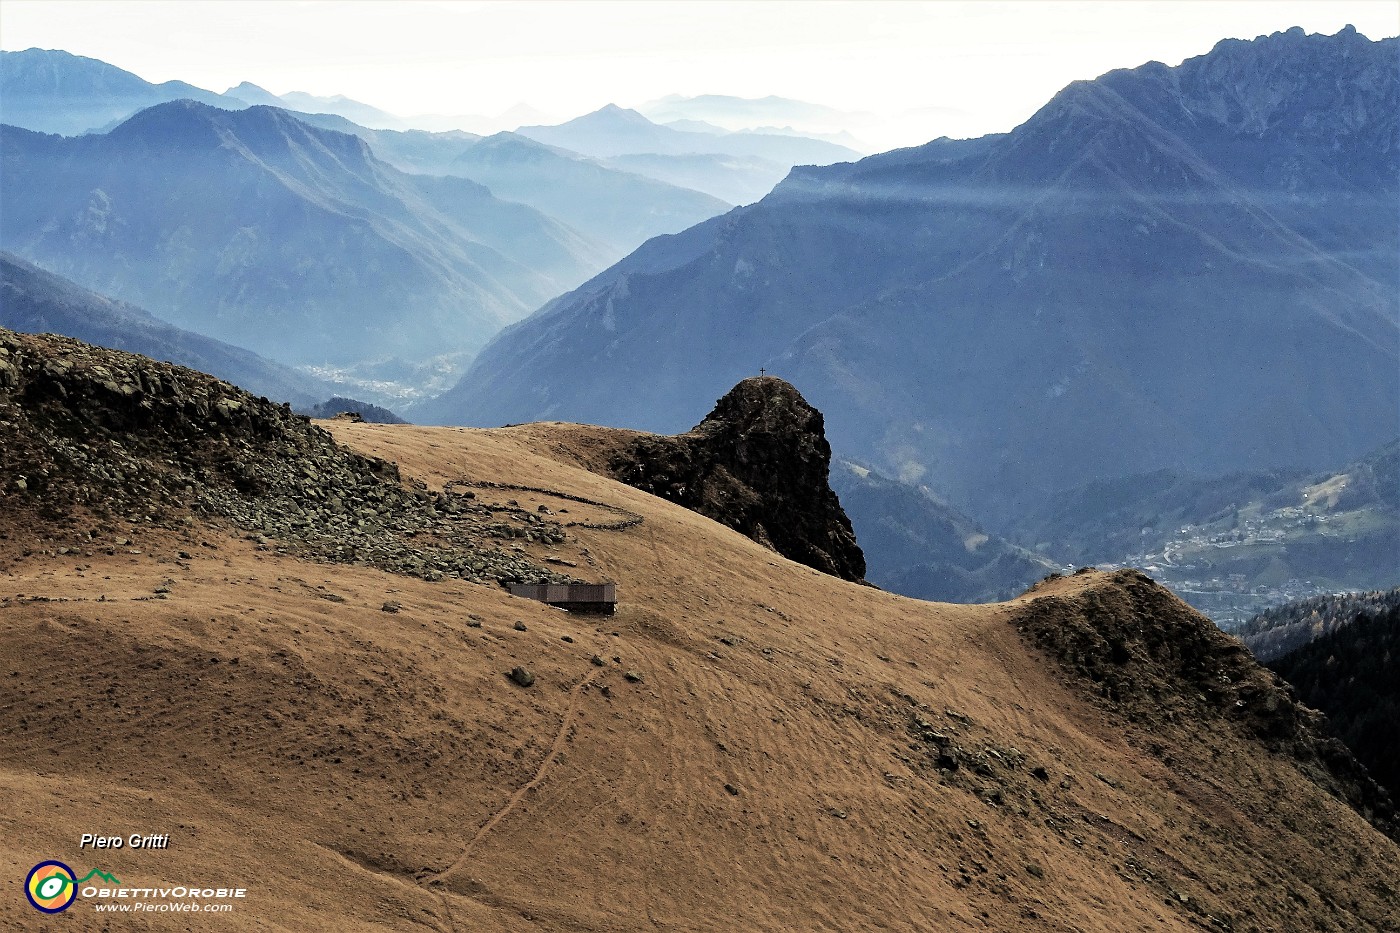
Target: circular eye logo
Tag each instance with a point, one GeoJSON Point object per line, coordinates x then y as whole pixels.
{"type": "Point", "coordinates": [50, 887]}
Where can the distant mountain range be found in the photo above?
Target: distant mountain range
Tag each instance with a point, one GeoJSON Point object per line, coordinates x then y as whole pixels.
{"type": "Point", "coordinates": [339, 104]}
{"type": "Point", "coordinates": [738, 167]}
{"type": "Point", "coordinates": [415, 151]}
{"type": "Point", "coordinates": [254, 227]}
{"type": "Point", "coordinates": [1135, 279]}
{"type": "Point", "coordinates": [769, 115]}
{"type": "Point", "coordinates": [511, 263]}
{"type": "Point", "coordinates": [617, 209]}
{"type": "Point", "coordinates": [615, 131]}
{"type": "Point", "coordinates": [37, 302]}
{"type": "Point", "coordinates": [52, 91]}
{"type": "Point", "coordinates": [253, 96]}
{"type": "Point", "coordinates": [733, 113]}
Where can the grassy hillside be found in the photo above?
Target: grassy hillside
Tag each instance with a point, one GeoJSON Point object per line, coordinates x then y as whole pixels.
{"type": "Point", "coordinates": [749, 744]}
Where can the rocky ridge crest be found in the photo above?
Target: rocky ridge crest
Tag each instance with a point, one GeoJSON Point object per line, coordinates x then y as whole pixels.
{"type": "Point", "coordinates": [1160, 663]}
{"type": "Point", "coordinates": [93, 434]}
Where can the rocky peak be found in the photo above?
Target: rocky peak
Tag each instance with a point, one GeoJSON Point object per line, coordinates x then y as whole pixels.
{"type": "Point", "coordinates": [1326, 87]}
{"type": "Point", "coordinates": [759, 463]}
{"type": "Point", "coordinates": [1336, 97]}
{"type": "Point", "coordinates": [764, 407]}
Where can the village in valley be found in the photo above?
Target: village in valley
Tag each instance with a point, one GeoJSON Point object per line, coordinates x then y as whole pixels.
{"type": "Point", "coordinates": [1237, 566]}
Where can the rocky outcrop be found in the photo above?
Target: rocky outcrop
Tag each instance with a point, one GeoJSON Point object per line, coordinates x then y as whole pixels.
{"type": "Point", "coordinates": [88, 434]}
{"type": "Point", "coordinates": [759, 463]}
{"type": "Point", "coordinates": [1161, 663]}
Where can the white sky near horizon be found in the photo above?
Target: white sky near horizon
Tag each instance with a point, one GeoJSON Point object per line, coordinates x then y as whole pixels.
{"type": "Point", "coordinates": [929, 68]}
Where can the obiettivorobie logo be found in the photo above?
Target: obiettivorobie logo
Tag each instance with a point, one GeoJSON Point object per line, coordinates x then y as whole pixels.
{"type": "Point", "coordinates": [52, 886]}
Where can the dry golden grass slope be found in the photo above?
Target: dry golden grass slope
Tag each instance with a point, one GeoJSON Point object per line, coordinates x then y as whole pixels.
{"type": "Point", "coordinates": [771, 769]}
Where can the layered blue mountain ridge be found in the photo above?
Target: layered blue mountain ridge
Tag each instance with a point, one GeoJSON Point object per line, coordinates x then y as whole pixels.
{"type": "Point", "coordinates": [1165, 268]}
{"type": "Point", "coordinates": [254, 227]}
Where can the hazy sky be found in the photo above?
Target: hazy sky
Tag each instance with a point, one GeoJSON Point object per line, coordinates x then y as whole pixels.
{"type": "Point", "coordinates": [990, 64]}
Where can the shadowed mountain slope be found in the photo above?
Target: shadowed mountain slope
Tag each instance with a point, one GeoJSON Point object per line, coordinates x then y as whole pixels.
{"type": "Point", "coordinates": [748, 744]}
{"type": "Point", "coordinates": [917, 546]}
{"type": "Point", "coordinates": [620, 209]}
{"type": "Point", "coordinates": [1285, 629]}
{"type": "Point", "coordinates": [734, 179]}
{"type": "Point", "coordinates": [413, 151]}
{"type": "Point", "coordinates": [35, 301]}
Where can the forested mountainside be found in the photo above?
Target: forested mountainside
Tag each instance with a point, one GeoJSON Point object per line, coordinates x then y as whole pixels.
{"type": "Point", "coordinates": [1285, 629]}
{"type": "Point", "coordinates": [1352, 673]}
